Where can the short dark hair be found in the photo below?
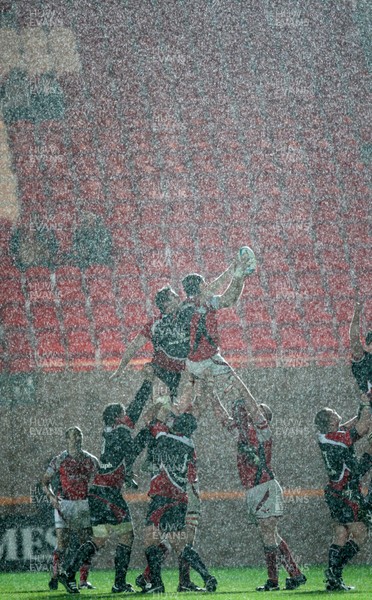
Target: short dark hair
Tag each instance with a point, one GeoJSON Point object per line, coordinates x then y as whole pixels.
{"type": "Point", "coordinates": [267, 412]}
{"type": "Point", "coordinates": [322, 420]}
{"type": "Point", "coordinates": [185, 424]}
{"type": "Point", "coordinates": [111, 413]}
{"type": "Point", "coordinates": [74, 428]}
{"type": "Point", "coordinates": [162, 297]}
{"type": "Point", "coordinates": [369, 338]}
{"type": "Point", "coordinates": [191, 284]}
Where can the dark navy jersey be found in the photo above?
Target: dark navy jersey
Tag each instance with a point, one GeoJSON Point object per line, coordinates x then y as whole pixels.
{"type": "Point", "coordinates": [117, 456]}
{"type": "Point", "coordinates": [339, 457]}
{"type": "Point", "coordinates": [362, 371]}
{"type": "Point", "coordinates": [174, 465]}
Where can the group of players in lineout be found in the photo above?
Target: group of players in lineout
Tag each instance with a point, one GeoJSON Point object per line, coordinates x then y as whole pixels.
{"type": "Point", "coordinates": [187, 371]}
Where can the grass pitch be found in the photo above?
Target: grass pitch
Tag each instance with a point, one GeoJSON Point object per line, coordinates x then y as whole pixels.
{"type": "Point", "coordinates": [234, 584]}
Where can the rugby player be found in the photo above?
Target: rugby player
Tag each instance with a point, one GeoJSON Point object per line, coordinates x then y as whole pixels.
{"type": "Point", "coordinates": [109, 512]}
{"type": "Point", "coordinates": [174, 464]}
{"type": "Point", "coordinates": [74, 469]}
{"type": "Point", "coordinates": [361, 364]}
{"type": "Point", "coordinates": [200, 308]}
{"type": "Point", "coordinates": [264, 495]}
{"type": "Point", "coordinates": [163, 412]}
{"type": "Point", "coordinates": [349, 510]}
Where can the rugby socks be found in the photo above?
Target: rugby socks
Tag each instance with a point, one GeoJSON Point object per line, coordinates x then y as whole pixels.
{"type": "Point", "coordinates": [334, 561]}
{"type": "Point", "coordinates": [164, 550]}
{"type": "Point", "coordinates": [190, 555]}
{"type": "Point", "coordinates": [287, 560]}
{"type": "Point", "coordinates": [84, 571]}
{"type": "Point", "coordinates": [348, 552]}
{"type": "Point", "coordinates": [154, 558]}
{"type": "Point", "coordinates": [184, 571]}
{"type": "Point", "coordinates": [84, 555]}
{"type": "Point", "coordinates": [271, 556]}
{"type": "Point", "coordinates": [122, 558]}
{"type": "Point", "coordinates": [56, 559]}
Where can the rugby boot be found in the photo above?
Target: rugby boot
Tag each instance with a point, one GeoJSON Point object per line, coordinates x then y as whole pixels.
{"type": "Point", "coordinates": [86, 585]}
{"type": "Point", "coordinates": [269, 586]}
{"type": "Point", "coordinates": [190, 586]}
{"type": "Point", "coordinates": [53, 583]}
{"type": "Point", "coordinates": [211, 584]}
{"type": "Point", "coordinates": [68, 583]}
{"type": "Point", "coordinates": [292, 583]}
{"type": "Point", "coordinates": [125, 587]}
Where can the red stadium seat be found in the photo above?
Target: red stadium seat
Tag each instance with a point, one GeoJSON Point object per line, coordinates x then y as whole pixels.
{"type": "Point", "coordinates": [343, 310]}
{"type": "Point", "coordinates": [286, 312]}
{"type": "Point", "coordinates": [11, 291]}
{"type": "Point", "coordinates": [273, 261]}
{"type": "Point", "coordinates": [334, 259]}
{"type": "Point", "coordinates": [80, 343]}
{"type": "Point", "coordinates": [310, 285]}
{"type": "Point", "coordinates": [256, 312]}
{"type": "Point", "coordinates": [155, 263]}
{"type": "Point", "coordinates": [49, 344]}
{"type": "Point", "coordinates": [126, 264]}
{"type": "Point", "coordinates": [97, 272]}
{"type": "Point", "coordinates": [100, 290]}
{"type": "Point", "coordinates": [280, 286]}
{"type": "Point", "coordinates": [105, 316]}
{"type": "Point", "coordinates": [323, 337]}
{"type": "Point", "coordinates": [18, 342]}
{"type": "Point", "coordinates": [340, 285]}
{"type": "Point", "coordinates": [75, 316]}
{"type": "Point", "coordinates": [293, 338]}
{"type": "Point", "coordinates": [304, 259]}
{"type": "Point", "coordinates": [13, 315]}
{"type": "Point", "coordinates": [231, 338]}
{"type": "Point", "coordinates": [122, 239]}
{"type": "Point", "coordinates": [70, 290]}
{"type": "Point", "coordinates": [129, 289]}
{"type": "Point", "coordinates": [21, 364]}
{"type": "Point", "coordinates": [315, 311]}
{"type": "Point", "coordinates": [211, 236]}
{"type": "Point", "coordinates": [110, 343]}
{"type": "Point", "coordinates": [134, 315]}
{"type": "Point", "coordinates": [260, 338]}
{"type": "Point", "coordinates": [44, 316]}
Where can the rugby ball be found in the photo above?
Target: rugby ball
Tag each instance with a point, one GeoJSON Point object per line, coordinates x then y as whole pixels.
{"type": "Point", "coordinates": [247, 257]}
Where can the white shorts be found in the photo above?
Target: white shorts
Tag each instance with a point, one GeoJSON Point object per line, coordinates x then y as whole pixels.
{"type": "Point", "coordinates": [224, 378]}
{"type": "Point", "coordinates": [264, 500]}
{"type": "Point", "coordinates": [106, 530]}
{"type": "Point", "coordinates": [73, 514]}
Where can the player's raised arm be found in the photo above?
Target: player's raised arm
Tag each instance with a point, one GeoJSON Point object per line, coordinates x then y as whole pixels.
{"type": "Point", "coordinates": [244, 265]}
{"type": "Point", "coordinates": [214, 286]}
{"type": "Point", "coordinates": [132, 348]}
{"type": "Point", "coordinates": [354, 332]}
{"type": "Point", "coordinates": [362, 422]}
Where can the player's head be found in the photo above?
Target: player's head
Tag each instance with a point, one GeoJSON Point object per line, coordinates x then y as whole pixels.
{"type": "Point", "coordinates": [193, 284]}
{"type": "Point", "coordinates": [327, 420]}
{"type": "Point", "coordinates": [369, 341]}
{"type": "Point", "coordinates": [185, 424]}
{"type": "Point", "coordinates": [267, 412]}
{"type": "Point", "coordinates": [111, 413]}
{"type": "Point", "coordinates": [167, 300]}
{"type": "Point", "coordinates": [74, 437]}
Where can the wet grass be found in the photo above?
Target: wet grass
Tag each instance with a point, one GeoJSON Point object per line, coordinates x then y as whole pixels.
{"type": "Point", "coordinates": [234, 584]}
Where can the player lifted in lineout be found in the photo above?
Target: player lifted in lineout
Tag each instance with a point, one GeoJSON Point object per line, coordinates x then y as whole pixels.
{"type": "Point", "coordinates": [186, 333]}
{"type": "Point", "coordinates": [361, 364]}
